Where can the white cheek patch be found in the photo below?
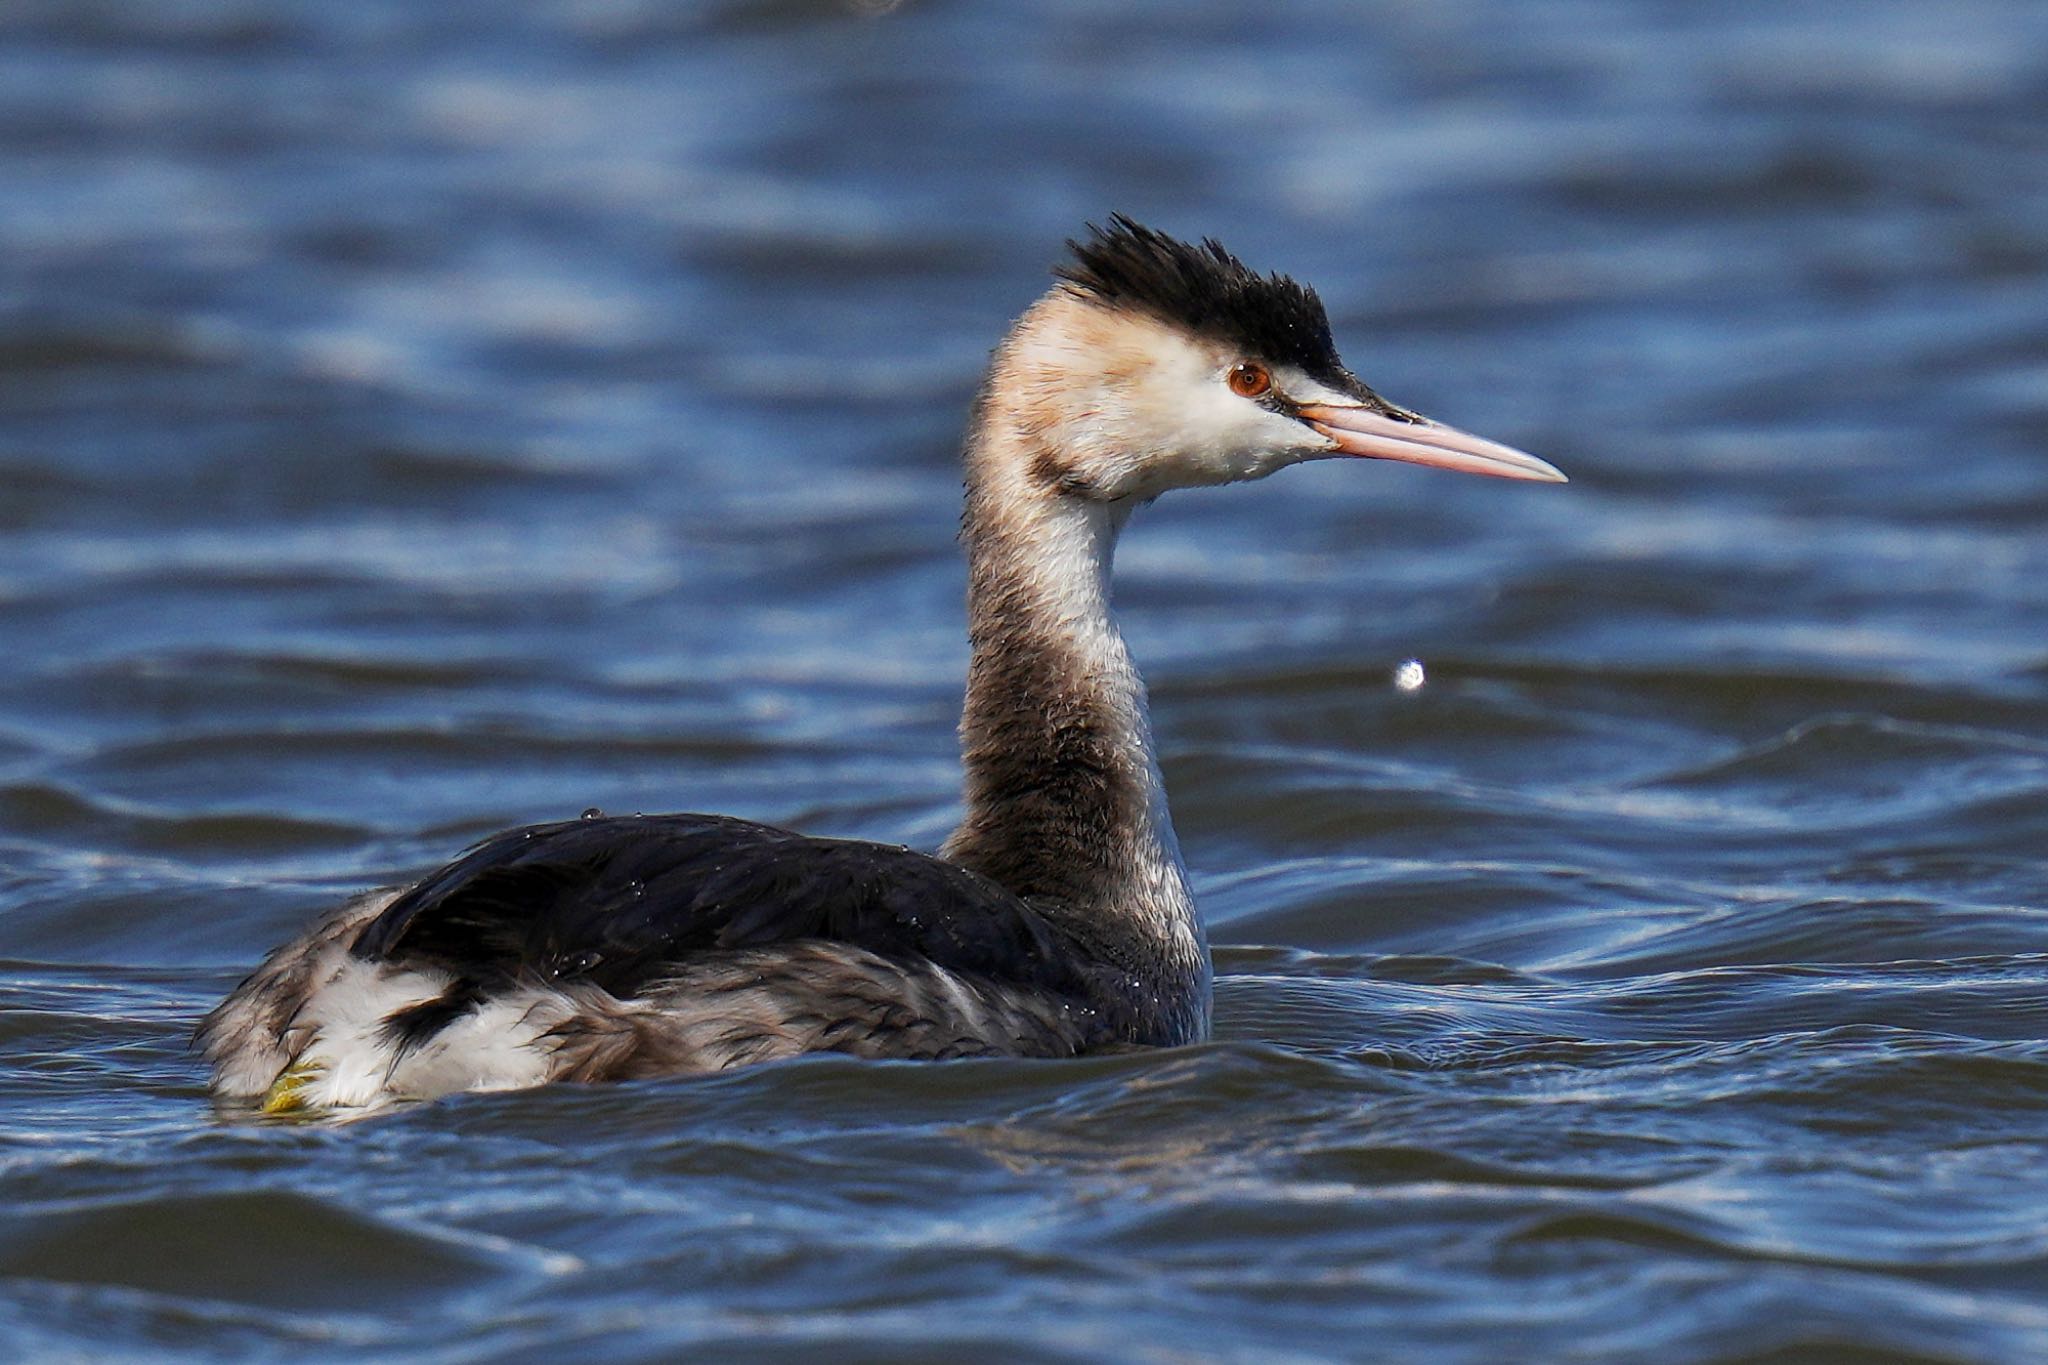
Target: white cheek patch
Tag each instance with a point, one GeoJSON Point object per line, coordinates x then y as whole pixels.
{"type": "Point", "coordinates": [1203, 433]}
{"type": "Point", "coordinates": [1134, 406]}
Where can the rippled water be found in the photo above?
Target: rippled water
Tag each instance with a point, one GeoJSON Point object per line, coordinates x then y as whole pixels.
{"type": "Point", "coordinates": [416, 420]}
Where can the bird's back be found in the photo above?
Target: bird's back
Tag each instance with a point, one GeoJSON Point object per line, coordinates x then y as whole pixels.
{"type": "Point", "coordinates": [612, 947]}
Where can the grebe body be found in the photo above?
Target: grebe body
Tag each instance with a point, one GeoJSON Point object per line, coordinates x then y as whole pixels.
{"type": "Point", "coordinates": [1056, 920]}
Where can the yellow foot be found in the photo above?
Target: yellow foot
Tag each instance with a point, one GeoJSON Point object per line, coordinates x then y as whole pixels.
{"type": "Point", "coordinates": [287, 1094]}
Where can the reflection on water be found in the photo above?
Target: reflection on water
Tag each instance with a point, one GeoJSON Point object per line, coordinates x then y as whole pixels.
{"type": "Point", "coordinates": [416, 422]}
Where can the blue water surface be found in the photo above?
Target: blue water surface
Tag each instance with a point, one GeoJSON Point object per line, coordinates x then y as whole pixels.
{"type": "Point", "coordinates": [416, 420]}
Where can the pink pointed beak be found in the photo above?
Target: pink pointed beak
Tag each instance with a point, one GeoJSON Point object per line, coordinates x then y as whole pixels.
{"type": "Point", "coordinates": [1374, 435]}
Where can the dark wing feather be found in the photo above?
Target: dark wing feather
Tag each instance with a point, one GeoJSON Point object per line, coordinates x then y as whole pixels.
{"type": "Point", "coordinates": [619, 901]}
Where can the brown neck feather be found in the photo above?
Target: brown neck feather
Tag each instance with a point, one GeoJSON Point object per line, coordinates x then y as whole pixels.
{"type": "Point", "coordinates": [1063, 798]}
{"type": "Point", "coordinates": [1054, 741]}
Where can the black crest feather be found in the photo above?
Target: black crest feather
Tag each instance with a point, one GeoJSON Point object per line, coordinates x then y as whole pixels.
{"type": "Point", "coordinates": [1205, 289]}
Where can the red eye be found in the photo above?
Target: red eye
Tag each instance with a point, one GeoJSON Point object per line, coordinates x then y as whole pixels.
{"type": "Point", "coordinates": [1249, 379]}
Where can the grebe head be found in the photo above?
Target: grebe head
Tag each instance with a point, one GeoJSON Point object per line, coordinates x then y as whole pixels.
{"type": "Point", "coordinates": [1156, 364]}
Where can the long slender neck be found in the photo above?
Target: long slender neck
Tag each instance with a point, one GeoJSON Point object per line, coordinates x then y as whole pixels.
{"type": "Point", "coordinates": [1063, 794]}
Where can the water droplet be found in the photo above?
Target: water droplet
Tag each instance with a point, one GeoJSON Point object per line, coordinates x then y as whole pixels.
{"type": "Point", "coordinates": [1409, 677]}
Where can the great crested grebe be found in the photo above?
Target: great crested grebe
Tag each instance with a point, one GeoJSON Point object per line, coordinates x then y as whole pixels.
{"type": "Point", "coordinates": [1056, 920]}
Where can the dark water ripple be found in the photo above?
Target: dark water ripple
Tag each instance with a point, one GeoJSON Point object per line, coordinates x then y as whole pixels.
{"type": "Point", "coordinates": [413, 422]}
